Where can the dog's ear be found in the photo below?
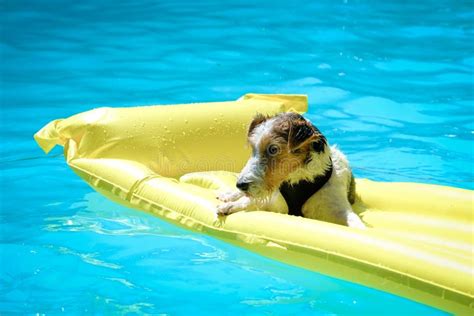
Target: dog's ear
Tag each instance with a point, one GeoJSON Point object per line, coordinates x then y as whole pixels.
{"type": "Point", "coordinates": [302, 133]}
{"type": "Point", "coordinates": [257, 120]}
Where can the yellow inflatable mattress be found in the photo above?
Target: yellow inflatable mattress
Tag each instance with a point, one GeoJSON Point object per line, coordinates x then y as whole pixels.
{"type": "Point", "coordinates": [171, 161]}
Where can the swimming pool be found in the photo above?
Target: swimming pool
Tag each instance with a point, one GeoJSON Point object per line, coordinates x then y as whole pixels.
{"type": "Point", "coordinates": [394, 91]}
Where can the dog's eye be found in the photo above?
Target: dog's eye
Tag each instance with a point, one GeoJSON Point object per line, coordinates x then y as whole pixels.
{"type": "Point", "coordinates": [273, 149]}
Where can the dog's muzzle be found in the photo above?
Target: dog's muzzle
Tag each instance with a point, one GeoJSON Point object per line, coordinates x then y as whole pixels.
{"type": "Point", "coordinates": [250, 178]}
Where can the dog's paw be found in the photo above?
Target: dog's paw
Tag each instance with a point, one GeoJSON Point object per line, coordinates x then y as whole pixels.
{"type": "Point", "coordinates": [241, 204]}
{"type": "Point", "coordinates": [229, 196]}
{"type": "Point", "coordinates": [354, 221]}
{"type": "Point", "coordinates": [225, 208]}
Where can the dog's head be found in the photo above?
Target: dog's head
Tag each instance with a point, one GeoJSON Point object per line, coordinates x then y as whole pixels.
{"type": "Point", "coordinates": [281, 145]}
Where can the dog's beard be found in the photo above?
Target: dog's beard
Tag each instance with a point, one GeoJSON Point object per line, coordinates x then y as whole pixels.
{"type": "Point", "coordinates": [260, 195]}
{"type": "Point", "coordinates": [261, 200]}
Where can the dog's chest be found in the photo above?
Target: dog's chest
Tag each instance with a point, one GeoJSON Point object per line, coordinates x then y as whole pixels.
{"type": "Point", "coordinates": [297, 194]}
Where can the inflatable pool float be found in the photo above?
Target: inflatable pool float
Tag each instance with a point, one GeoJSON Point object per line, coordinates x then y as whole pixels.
{"type": "Point", "coordinates": [171, 161]}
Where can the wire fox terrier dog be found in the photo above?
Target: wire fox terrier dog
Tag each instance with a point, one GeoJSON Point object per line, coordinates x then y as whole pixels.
{"type": "Point", "coordinates": [293, 171]}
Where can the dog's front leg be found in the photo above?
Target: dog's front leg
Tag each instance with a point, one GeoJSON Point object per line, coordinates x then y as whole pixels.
{"type": "Point", "coordinates": [231, 196]}
{"type": "Point", "coordinates": [227, 208]}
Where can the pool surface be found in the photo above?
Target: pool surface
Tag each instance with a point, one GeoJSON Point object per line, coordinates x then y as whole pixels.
{"type": "Point", "coordinates": [391, 84]}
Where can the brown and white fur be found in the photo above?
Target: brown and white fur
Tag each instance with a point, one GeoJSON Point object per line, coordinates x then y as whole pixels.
{"type": "Point", "coordinates": [288, 148]}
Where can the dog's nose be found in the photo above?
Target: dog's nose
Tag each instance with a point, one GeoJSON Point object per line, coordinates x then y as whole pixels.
{"type": "Point", "coordinates": [243, 186]}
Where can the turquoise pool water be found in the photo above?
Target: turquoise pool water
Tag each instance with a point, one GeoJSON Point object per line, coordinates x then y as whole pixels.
{"type": "Point", "coordinates": [391, 84]}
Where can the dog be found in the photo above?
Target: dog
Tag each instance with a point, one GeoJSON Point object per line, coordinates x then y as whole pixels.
{"type": "Point", "coordinates": [293, 170]}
